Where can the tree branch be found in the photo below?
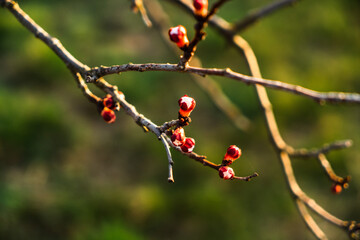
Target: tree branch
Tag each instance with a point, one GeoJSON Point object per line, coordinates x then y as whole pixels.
{"type": "Point", "coordinates": [306, 153]}
{"type": "Point", "coordinates": [209, 85]}
{"type": "Point", "coordinates": [72, 63]}
{"type": "Point", "coordinates": [138, 5]}
{"type": "Point", "coordinates": [77, 68]}
{"type": "Point", "coordinates": [309, 221]}
{"type": "Point", "coordinates": [321, 97]}
{"type": "Point", "coordinates": [279, 144]}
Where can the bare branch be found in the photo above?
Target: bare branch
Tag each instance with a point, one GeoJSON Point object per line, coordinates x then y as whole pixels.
{"type": "Point", "coordinates": [247, 178]}
{"type": "Point", "coordinates": [219, 98]}
{"type": "Point", "coordinates": [256, 15]}
{"type": "Point", "coordinates": [306, 153]}
{"type": "Point", "coordinates": [72, 63]}
{"type": "Point", "coordinates": [84, 88]}
{"type": "Point", "coordinates": [278, 142]}
{"type": "Point", "coordinates": [310, 222]}
{"type": "Point", "coordinates": [330, 172]}
{"type": "Point", "coordinates": [329, 97]}
{"type": "Point", "coordinates": [138, 5]}
{"type": "Point", "coordinates": [299, 194]}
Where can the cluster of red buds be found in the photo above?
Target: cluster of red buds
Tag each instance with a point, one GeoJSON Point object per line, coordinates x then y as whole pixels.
{"type": "Point", "coordinates": [200, 7]}
{"type": "Point", "coordinates": [187, 105]}
{"type": "Point", "coordinates": [109, 105]}
{"type": "Point", "coordinates": [178, 139]}
{"type": "Point", "coordinates": [232, 153]}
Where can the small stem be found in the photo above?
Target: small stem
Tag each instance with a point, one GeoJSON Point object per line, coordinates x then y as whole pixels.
{"type": "Point", "coordinates": [247, 178]}
{"type": "Point", "coordinates": [168, 153]}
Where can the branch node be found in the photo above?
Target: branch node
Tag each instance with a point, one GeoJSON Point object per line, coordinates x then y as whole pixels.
{"type": "Point", "coordinates": [354, 230]}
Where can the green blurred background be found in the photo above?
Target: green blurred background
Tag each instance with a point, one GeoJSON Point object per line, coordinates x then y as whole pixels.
{"type": "Point", "coordinates": [66, 174]}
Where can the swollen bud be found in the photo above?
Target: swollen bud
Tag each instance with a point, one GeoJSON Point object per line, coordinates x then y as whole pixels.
{"type": "Point", "coordinates": [226, 172]}
{"type": "Point", "coordinates": [232, 153]}
{"type": "Point", "coordinates": [188, 145]}
{"type": "Point", "coordinates": [336, 188]}
{"type": "Point", "coordinates": [201, 7]}
{"type": "Point", "coordinates": [178, 137]}
{"type": "Point", "coordinates": [178, 35]}
{"type": "Point", "coordinates": [109, 102]}
{"type": "Point", "coordinates": [108, 115]}
{"type": "Point", "coordinates": [186, 104]}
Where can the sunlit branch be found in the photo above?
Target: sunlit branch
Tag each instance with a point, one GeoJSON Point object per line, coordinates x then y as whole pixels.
{"type": "Point", "coordinates": [278, 142]}
{"type": "Point", "coordinates": [330, 172]}
{"type": "Point", "coordinates": [330, 97]}
{"type": "Point", "coordinates": [138, 5]}
{"type": "Point", "coordinates": [309, 221]}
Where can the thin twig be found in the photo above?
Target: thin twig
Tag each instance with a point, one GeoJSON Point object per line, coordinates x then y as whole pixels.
{"type": "Point", "coordinates": [168, 153]}
{"type": "Point", "coordinates": [321, 97]}
{"type": "Point", "coordinates": [85, 89]}
{"type": "Point", "coordinates": [330, 172]}
{"type": "Point", "coordinates": [256, 15]}
{"type": "Point", "coordinates": [298, 193]}
{"type": "Point", "coordinates": [169, 124]}
{"type": "Point", "coordinates": [247, 178]}
{"type": "Point", "coordinates": [309, 221]}
{"type": "Point", "coordinates": [306, 153]}
{"type": "Point", "coordinates": [138, 5]}
{"type": "Point", "coordinates": [53, 43]}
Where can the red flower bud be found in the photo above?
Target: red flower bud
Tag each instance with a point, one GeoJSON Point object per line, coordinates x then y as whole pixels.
{"type": "Point", "coordinates": [226, 172]}
{"type": "Point", "coordinates": [188, 145]}
{"type": "Point", "coordinates": [109, 102]}
{"type": "Point", "coordinates": [187, 104]}
{"type": "Point", "coordinates": [108, 115]}
{"type": "Point", "coordinates": [201, 7]}
{"type": "Point", "coordinates": [232, 153]}
{"type": "Point", "coordinates": [178, 137]}
{"type": "Point", "coordinates": [178, 35]}
{"type": "Point", "coordinates": [336, 188]}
